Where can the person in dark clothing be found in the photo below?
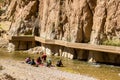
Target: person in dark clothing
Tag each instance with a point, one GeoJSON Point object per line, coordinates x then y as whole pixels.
{"type": "Point", "coordinates": [32, 62]}
{"type": "Point", "coordinates": [38, 61]}
{"type": "Point", "coordinates": [59, 63]}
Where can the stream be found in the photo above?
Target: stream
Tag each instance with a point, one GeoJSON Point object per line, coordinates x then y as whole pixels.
{"type": "Point", "coordinates": [99, 71]}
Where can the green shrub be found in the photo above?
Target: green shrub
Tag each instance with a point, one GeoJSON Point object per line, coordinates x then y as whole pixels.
{"type": "Point", "coordinates": [115, 42]}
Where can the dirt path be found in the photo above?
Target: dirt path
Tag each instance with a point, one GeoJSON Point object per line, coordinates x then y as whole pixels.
{"type": "Point", "coordinates": [22, 71]}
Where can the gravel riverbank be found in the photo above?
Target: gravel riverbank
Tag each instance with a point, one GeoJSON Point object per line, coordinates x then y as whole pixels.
{"type": "Point", "coordinates": [18, 70]}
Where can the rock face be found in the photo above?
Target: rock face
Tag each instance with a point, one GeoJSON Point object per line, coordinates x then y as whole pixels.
{"type": "Point", "coordinates": [22, 15]}
{"type": "Point", "coordinates": [73, 22]}
{"type": "Point", "coordinates": [80, 21]}
{"type": "Point", "coordinates": [105, 26]}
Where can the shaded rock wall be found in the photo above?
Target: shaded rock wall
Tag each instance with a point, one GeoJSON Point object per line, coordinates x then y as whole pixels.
{"type": "Point", "coordinates": [85, 21]}
{"type": "Point", "coordinates": [73, 20]}
{"type": "Point", "coordinates": [105, 27]}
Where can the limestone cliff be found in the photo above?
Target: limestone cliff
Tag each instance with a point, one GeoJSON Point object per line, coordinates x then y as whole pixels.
{"type": "Point", "coordinates": [80, 21]}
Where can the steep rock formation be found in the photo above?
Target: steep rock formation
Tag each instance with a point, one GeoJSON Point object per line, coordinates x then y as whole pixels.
{"type": "Point", "coordinates": [22, 15]}
{"type": "Point", "coordinates": [105, 27]}
{"type": "Point", "coordinates": [80, 21]}
{"type": "Point", "coordinates": [73, 20]}
{"type": "Point", "coordinates": [105, 21]}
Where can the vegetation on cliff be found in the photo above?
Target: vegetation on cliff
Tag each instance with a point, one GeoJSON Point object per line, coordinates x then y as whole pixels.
{"type": "Point", "coordinates": [114, 42]}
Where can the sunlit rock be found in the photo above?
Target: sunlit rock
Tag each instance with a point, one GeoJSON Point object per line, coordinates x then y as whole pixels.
{"type": "Point", "coordinates": [11, 47]}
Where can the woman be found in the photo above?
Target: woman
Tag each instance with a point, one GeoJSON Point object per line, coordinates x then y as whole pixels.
{"type": "Point", "coordinates": [38, 61]}
{"type": "Point", "coordinates": [44, 56]}
{"type": "Point", "coordinates": [28, 60]}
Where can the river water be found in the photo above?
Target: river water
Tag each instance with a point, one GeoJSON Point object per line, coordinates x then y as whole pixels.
{"type": "Point", "coordinates": [99, 71]}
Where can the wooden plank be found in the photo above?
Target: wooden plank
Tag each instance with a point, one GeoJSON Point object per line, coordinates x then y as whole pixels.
{"type": "Point", "coordinates": [101, 48]}
{"type": "Point", "coordinates": [39, 39]}
{"type": "Point", "coordinates": [84, 46]}
{"type": "Point", "coordinates": [50, 41]}
{"type": "Point", "coordinates": [23, 38]}
{"type": "Point", "coordinates": [61, 43]}
{"type": "Point", "coordinates": [47, 41]}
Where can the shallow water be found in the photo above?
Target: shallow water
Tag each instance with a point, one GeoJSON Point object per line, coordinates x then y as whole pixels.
{"type": "Point", "coordinates": [99, 71]}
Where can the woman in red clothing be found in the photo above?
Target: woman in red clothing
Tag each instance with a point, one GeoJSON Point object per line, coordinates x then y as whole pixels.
{"type": "Point", "coordinates": [38, 61]}
{"type": "Point", "coordinates": [44, 56]}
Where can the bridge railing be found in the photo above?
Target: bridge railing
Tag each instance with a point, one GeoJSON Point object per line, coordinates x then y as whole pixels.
{"type": "Point", "coordinates": [84, 46]}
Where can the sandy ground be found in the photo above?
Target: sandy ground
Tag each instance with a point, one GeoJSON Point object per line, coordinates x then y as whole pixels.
{"type": "Point", "coordinates": [19, 70]}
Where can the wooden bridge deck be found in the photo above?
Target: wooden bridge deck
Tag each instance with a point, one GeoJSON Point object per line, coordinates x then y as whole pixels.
{"type": "Point", "coordinates": [22, 38]}
{"type": "Point", "coordinates": [84, 46]}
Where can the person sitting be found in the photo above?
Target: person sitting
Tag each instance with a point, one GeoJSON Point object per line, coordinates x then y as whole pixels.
{"type": "Point", "coordinates": [38, 61]}
{"type": "Point", "coordinates": [32, 62]}
{"type": "Point", "coordinates": [44, 56]}
{"type": "Point", "coordinates": [49, 63]}
{"type": "Point", "coordinates": [59, 63]}
{"type": "Point", "coordinates": [28, 60]}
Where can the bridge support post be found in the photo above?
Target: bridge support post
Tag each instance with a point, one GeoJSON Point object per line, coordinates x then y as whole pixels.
{"type": "Point", "coordinates": [33, 44]}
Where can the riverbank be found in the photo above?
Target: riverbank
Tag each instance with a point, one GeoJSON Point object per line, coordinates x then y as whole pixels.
{"type": "Point", "coordinates": [19, 70]}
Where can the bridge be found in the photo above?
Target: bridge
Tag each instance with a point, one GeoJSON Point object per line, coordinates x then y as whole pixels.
{"type": "Point", "coordinates": [83, 46]}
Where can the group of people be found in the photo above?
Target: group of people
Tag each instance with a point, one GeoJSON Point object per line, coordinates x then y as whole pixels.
{"type": "Point", "coordinates": [41, 60]}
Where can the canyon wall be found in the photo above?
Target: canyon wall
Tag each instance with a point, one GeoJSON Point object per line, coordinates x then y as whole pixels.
{"type": "Point", "coordinates": [77, 21]}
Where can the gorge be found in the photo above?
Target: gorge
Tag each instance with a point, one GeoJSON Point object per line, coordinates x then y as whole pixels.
{"type": "Point", "coordinates": [77, 21]}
